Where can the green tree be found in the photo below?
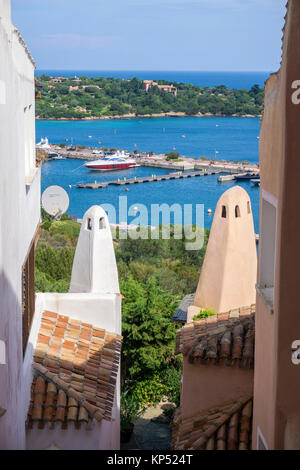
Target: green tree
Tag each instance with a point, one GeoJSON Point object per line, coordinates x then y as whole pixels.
{"type": "Point", "coordinates": [149, 335]}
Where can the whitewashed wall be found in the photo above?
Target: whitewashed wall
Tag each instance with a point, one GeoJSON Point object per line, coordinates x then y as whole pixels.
{"type": "Point", "coordinates": [19, 215]}
{"type": "Point", "coordinates": [95, 299]}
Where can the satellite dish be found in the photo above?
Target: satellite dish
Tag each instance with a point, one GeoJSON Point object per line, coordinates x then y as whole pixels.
{"type": "Point", "coordinates": [55, 201]}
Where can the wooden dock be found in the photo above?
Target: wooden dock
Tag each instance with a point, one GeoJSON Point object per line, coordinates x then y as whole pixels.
{"type": "Point", "coordinates": [147, 179]}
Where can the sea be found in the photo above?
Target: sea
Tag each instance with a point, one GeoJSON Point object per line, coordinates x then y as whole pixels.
{"type": "Point", "coordinates": [230, 138]}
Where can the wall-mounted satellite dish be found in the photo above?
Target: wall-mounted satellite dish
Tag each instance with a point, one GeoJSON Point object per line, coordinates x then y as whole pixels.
{"type": "Point", "coordinates": [55, 201]}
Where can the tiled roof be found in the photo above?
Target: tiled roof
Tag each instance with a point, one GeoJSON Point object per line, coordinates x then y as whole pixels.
{"type": "Point", "coordinates": [181, 313]}
{"type": "Point", "coordinates": [226, 427]}
{"type": "Point", "coordinates": [76, 366]}
{"type": "Point", "coordinates": [226, 338]}
{"type": "Point", "coordinates": [52, 406]}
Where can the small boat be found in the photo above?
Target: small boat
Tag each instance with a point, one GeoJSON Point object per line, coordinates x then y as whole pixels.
{"type": "Point", "coordinates": [52, 155]}
{"type": "Point", "coordinates": [118, 161]}
{"type": "Point", "coordinates": [44, 144]}
{"type": "Point", "coordinates": [255, 182]}
{"type": "Point", "coordinates": [58, 157]}
{"type": "Point", "coordinates": [247, 176]}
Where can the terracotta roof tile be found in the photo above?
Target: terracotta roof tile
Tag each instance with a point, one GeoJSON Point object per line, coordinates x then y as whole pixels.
{"type": "Point", "coordinates": [227, 427]}
{"type": "Point", "coordinates": [226, 338]}
{"type": "Point", "coordinates": [75, 372]}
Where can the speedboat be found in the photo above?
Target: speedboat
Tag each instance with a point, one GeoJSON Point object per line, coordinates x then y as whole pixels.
{"type": "Point", "coordinates": [117, 161]}
{"type": "Point", "coordinates": [247, 176]}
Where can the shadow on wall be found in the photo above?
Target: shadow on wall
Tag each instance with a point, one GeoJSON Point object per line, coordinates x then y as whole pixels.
{"type": "Point", "coordinates": [12, 430]}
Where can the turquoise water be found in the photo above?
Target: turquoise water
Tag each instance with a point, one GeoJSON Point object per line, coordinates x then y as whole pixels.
{"type": "Point", "coordinates": [238, 80]}
{"type": "Point", "coordinates": [201, 190]}
{"type": "Point", "coordinates": [233, 138]}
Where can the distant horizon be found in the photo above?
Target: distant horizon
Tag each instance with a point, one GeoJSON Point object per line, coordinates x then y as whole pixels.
{"type": "Point", "coordinates": [232, 79]}
{"type": "Point", "coordinates": [151, 70]}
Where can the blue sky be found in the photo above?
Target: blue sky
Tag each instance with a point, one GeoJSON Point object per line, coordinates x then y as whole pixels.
{"type": "Point", "coordinates": [233, 35]}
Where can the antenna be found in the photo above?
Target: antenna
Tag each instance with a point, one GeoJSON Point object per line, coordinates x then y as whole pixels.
{"type": "Point", "coordinates": [55, 201]}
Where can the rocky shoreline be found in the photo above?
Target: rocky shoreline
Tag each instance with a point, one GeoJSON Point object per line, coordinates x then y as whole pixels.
{"type": "Point", "coordinates": [156, 115]}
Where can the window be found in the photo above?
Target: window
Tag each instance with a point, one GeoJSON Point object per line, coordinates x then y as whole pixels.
{"type": "Point", "coordinates": [2, 92]}
{"type": "Point", "coordinates": [237, 211]}
{"type": "Point", "coordinates": [267, 252]}
{"type": "Point", "coordinates": [224, 212]}
{"type": "Point", "coordinates": [89, 224]}
{"type": "Point", "coordinates": [2, 353]}
{"type": "Point", "coordinates": [102, 223]}
{"type": "Point", "coordinates": [28, 295]}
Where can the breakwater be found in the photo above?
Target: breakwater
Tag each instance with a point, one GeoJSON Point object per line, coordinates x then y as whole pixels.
{"type": "Point", "coordinates": [160, 161]}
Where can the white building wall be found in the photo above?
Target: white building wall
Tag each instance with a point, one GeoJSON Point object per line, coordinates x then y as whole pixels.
{"type": "Point", "coordinates": [19, 215]}
{"type": "Point", "coordinates": [95, 299]}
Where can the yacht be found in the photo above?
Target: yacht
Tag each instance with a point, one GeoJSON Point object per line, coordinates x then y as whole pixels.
{"type": "Point", "coordinates": [44, 144]}
{"type": "Point", "coordinates": [118, 161]}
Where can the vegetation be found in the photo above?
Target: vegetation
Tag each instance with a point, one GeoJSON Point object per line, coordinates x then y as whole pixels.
{"type": "Point", "coordinates": [204, 313]}
{"type": "Point", "coordinates": [154, 276]}
{"type": "Point", "coordinates": [99, 97]}
{"type": "Point", "coordinates": [130, 410]}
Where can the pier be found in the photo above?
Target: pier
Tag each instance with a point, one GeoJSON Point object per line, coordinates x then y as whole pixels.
{"type": "Point", "coordinates": [147, 179]}
{"type": "Point", "coordinates": [160, 161]}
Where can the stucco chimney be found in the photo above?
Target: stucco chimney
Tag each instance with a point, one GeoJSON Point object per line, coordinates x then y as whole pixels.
{"type": "Point", "coordinates": [94, 266]}
{"type": "Point", "coordinates": [229, 271]}
{"type": "Point", "coordinates": [5, 10]}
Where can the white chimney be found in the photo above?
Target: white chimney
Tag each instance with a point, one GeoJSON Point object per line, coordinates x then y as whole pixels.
{"type": "Point", "coordinates": [94, 267]}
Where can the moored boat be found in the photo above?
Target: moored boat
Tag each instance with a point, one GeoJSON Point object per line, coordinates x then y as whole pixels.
{"type": "Point", "coordinates": [247, 176]}
{"type": "Point", "coordinates": [118, 161]}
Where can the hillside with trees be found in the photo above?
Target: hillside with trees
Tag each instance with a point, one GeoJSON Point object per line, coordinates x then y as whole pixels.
{"type": "Point", "coordinates": [90, 98]}
{"type": "Point", "coordinates": [154, 276]}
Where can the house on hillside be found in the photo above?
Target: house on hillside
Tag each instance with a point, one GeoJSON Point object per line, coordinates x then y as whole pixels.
{"type": "Point", "coordinates": [166, 88]}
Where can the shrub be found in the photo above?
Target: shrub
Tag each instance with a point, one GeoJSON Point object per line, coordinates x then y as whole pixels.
{"type": "Point", "coordinates": [172, 155]}
{"type": "Point", "coordinates": [204, 313]}
{"type": "Point", "coordinates": [150, 392]}
{"type": "Point", "coordinates": [61, 286]}
{"type": "Point", "coordinates": [67, 227]}
{"type": "Point", "coordinates": [42, 283]}
{"type": "Point", "coordinates": [57, 264]}
{"type": "Point", "coordinates": [166, 383]}
{"type": "Point", "coordinates": [130, 410]}
{"type": "Point", "coordinates": [46, 225]}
